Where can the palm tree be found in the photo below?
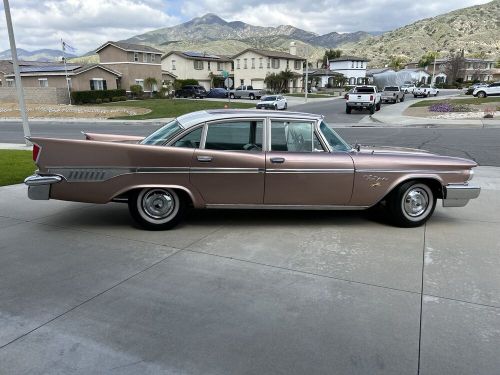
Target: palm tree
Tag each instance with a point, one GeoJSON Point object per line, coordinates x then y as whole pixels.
{"type": "Point", "coordinates": [150, 82]}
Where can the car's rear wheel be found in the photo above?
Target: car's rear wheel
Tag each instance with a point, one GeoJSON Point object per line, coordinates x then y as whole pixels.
{"type": "Point", "coordinates": [286, 106]}
{"type": "Point", "coordinates": [402, 99]}
{"type": "Point", "coordinates": [414, 95]}
{"type": "Point", "coordinates": [411, 204]}
{"type": "Point", "coordinates": [252, 96]}
{"type": "Point", "coordinates": [377, 106]}
{"type": "Point", "coordinates": [275, 107]}
{"type": "Point", "coordinates": [348, 109]}
{"type": "Point", "coordinates": [231, 96]}
{"type": "Point", "coordinates": [372, 109]}
{"type": "Point", "coordinates": [156, 208]}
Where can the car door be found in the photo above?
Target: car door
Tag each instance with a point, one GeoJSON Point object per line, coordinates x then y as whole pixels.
{"type": "Point", "coordinates": [229, 167]}
{"type": "Point", "coordinates": [301, 171]}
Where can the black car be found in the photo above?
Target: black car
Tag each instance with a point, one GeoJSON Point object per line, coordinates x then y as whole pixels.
{"type": "Point", "coordinates": [217, 93]}
{"type": "Point", "coordinates": [191, 91]}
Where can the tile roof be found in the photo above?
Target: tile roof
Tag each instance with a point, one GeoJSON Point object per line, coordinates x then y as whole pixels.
{"type": "Point", "coordinates": [349, 58]}
{"type": "Point", "coordinates": [267, 53]}
{"type": "Point", "coordinates": [192, 55]}
{"type": "Point", "coordinates": [130, 47]}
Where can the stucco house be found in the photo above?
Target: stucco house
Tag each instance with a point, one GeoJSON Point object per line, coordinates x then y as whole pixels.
{"type": "Point", "coordinates": [196, 65]}
{"type": "Point", "coordinates": [252, 65]}
{"type": "Point", "coordinates": [135, 62]}
{"type": "Point", "coordinates": [352, 67]}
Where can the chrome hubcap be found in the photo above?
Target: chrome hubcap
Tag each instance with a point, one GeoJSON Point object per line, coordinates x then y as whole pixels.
{"type": "Point", "coordinates": [416, 202]}
{"type": "Point", "coordinates": [158, 204]}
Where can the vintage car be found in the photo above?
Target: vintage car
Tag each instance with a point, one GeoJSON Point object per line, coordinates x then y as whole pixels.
{"type": "Point", "coordinates": [246, 159]}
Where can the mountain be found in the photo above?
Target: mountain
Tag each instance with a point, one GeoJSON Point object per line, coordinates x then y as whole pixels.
{"type": "Point", "coordinates": [472, 29]}
{"type": "Point", "coordinates": [38, 55]}
{"type": "Point", "coordinates": [211, 27]}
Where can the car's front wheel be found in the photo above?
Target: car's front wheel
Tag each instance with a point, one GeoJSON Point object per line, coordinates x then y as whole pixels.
{"type": "Point", "coordinates": [481, 94]}
{"type": "Point", "coordinates": [231, 96]}
{"type": "Point", "coordinates": [156, 208]}
{"type": "Point", "coordinates": [252, 96]}
{"type": "Point", "coordinates": [411, 204]}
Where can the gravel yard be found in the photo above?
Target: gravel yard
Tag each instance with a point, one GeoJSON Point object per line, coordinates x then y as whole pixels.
{"type": "Point", "coordinates": [11, 110]}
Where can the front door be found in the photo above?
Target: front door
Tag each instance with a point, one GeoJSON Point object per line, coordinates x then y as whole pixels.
{"type": "Point", "coordinates": [299, 171]}
{"type": "Point", "coordinates": [229, 168]}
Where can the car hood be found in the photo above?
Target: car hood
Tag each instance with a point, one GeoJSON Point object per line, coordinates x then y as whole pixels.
{"type": "Point", "coordinates": [392, 150]}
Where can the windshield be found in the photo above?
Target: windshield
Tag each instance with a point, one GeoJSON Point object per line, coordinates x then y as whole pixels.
{"type": "Point", "coordinates": [333, 139]}
{"type": "Point", "coordinates": [160, 136]}
{"type": "Point", "coordinates": [269, 99]}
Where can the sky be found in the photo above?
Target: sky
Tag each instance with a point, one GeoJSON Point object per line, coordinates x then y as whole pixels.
{"type": "Point", "coordinates": [86, 24]}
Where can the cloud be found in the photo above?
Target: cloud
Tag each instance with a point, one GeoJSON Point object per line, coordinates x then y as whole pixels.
{"type": "Point", "coordinates": [86, 24]}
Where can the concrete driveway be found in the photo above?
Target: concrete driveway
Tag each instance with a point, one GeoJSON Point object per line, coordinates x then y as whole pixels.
{"type": "Point", "coordinates": [248, 292]}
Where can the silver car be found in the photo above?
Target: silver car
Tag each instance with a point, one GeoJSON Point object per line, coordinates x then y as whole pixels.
{"type": "Point", "coordinates": [273, 102]}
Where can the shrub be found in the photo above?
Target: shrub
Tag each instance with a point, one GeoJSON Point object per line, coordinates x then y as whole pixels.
{"type": "Point", "coordinates": [106, 100]}
{"type": "Point", "coordinates": [98, 101]}
{"type": "Point", "coordinates": [82, 97]}
{"type": "Point", "coordinates": [115, 99]}
{"type": "Point", "coordinates": [448, 107]}
{"type": "Point", "coordinates": [136, 91]}
{"type": "Point", "coordinates": [123, 98]}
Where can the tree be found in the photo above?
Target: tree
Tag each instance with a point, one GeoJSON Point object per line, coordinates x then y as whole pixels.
{"type": "Point", "coordinates": [455, 67]}
{"type": "Point", "coordinates": [397, 61]}
{"type": "Point", "coordinates": [428, 59]}
{"type": "Point", "coordinates": [278, 82]}
{"type": "Point", "coordinates": [329, 55]}
{"type": "Point", "coordinates": [150, 82]}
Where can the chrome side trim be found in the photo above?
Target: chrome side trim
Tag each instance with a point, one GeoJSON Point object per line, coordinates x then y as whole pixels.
{"type": "Point", "coordinates": [284, 207]}
{"type": "Point", "coordinates": [227, 170]}
{"type": "Point", "coordinates": [309, 170]}
{"type": "Point", "coordinates": [406, 171]}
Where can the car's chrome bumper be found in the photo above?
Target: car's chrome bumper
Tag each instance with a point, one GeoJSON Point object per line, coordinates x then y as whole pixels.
{"type": "Point", "coordinates": [459, 195]}
{"type": "Point", "coordinates": [39, 185]}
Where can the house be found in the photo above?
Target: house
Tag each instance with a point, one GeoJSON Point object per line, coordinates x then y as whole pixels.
{"type": "Point", "coordinates": [321, 78]}
{"type": "Point", "coordinates": [473, 69]}
{"type": "Point", "coordinates": [196, 65]}
{"type": "Point", "coordinates": [135, 62]}
{"type": "Point", "coordinates": [252, 65]}
{"type": "Point", "coordinates": [352, 67]}
{"type": "Point", "coordinates": [46, 82]}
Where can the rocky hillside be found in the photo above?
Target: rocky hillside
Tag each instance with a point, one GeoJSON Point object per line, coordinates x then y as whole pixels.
{"type": "Point", "coordinates": [474, 29]}
{"type": "Point", "coordinates": [38, 55]}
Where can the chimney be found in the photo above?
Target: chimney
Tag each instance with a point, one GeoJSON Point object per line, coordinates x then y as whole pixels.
{"type": "Point", "coordinates": [293, 48]}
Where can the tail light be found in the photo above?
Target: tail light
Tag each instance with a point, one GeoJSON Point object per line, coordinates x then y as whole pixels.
{"type": "Point", "coordinates": [371, 97]}
{"type": "Point", "coordinates": [36, 152]}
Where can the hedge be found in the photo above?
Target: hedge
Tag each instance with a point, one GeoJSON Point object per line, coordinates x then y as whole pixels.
{"type": "Point", "coordinates": [92, 96]}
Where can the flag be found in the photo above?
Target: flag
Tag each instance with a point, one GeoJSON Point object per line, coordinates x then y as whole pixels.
{"type": "Point", "coordinates": [67, 47]}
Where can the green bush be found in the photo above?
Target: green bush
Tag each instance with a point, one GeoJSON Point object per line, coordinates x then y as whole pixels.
{"type": "Point", "coordinates": [98, 101]}
{"type": "Point", "coordinates": [106, 100]}
{"type": "Point", "coordinates": [136, 91]}
{"type": "Point", "coordinates": [91, 96]}
{"type": "Point", "coordinates": [115, 99]}
{"type": "Point", "coordinates": [122, 98]}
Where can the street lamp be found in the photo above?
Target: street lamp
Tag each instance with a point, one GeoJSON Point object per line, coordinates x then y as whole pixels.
{"type": "Point", "coordinates": [17, 74]}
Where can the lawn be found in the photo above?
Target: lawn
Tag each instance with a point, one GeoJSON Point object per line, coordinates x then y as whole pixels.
{"type": "Point", "coordinates": [472, 100]}
{"type": "Point", "coordinates": [313, 95]}
{"type": "Point", "coordinates": [162, 108]}
{"type": "Point", "coordinates": [15, 166]}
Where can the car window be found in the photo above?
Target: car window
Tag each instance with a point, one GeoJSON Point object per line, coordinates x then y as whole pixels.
{"type": "Point", "coordinates": [294, 137]}
{"type": "Point", "coordinates": [235, 136]}
{"type": "Point", "coordinates": [163, 134]}
{"type": "Point", "coordinates": [190, 140]}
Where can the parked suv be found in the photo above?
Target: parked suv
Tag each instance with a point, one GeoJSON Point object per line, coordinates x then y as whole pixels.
{"type": "Point", "coordinates": [490, 90]}
{"type": "Point", "coordinates": [191, 91]}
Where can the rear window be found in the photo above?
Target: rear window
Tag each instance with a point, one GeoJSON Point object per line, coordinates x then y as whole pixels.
{"type": "Point", "coordinates": [369, 90]}
{"type": "Point", "coordinates": [391, 88]}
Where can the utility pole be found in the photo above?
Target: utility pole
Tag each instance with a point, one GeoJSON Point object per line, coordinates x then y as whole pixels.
{"type": "Point", "coordinates": [434, 71]}
{"type": "Point", "coordinates": [17, 74]}
{"type": "Point", "coordinates": [307, 74]}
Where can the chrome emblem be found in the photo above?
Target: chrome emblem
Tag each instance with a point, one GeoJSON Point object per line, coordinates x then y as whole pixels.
{"type": "Point", "coordinates": [376, 181]}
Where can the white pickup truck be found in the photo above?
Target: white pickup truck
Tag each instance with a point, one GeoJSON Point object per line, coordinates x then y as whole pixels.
{"type": "Point", "coordinates": [363, 97]}
{"type": "Point", "coordinates": [246, 92]}
{"type": "Point", "coordinates": [425, 91]}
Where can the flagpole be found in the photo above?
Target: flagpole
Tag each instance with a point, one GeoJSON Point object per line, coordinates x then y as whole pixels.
{"type": "Point", "coordinates": [17, 74]}
{"type": "Point", "coordinates": [66, 70]}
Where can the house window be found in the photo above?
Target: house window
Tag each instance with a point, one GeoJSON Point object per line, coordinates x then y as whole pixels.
{"type": "Point", "coordinates": [43, 82]}
{"type": "Point", "coordinates": [245, 64]}
{"type": "Point", "coordinates": [232, 65]}
{"type": "Point", "coordinates": [361, 64]}
{"type": "Point", "coordinates": [208, 64]}
{"type": "Point", "coordinates": [357, 64]}
{"type": "Point", "coordinates": [297, 64]}
{"type": "Point", "coordinates": [352, 65]}
{"type": "Point", "coordinates": [220, 66]}
{"type": "Point", "coordinates": [152, 57]}
{"type": "Point", "coordinates": [260, 63]}
{"type": "Point", "coordinates": [140, 82]}
{"type": "Point", "coordinates": [253, 63]}
{"type": "Point", "coordinates": [242, 82]}
{"type": "Point", "coordinates": [198, 64]}
{"type": "Point", "coordinates": [144, 57]}
{"type": "Point", "coordinates": [173, 64]}
{"type": "Point", "coordinates": [11, 83]}
{"type": "Point", "coordinates": [136, 56]}
{"type": "Point", "coordinates": [287, 64]}
{"type": "Point", "coordinates": [237, 63]}
{"type": "Point", "coordinates": [68, 82]}
{"type": "Point", "coordinates": [268, 63]}
{"type": "Point", "coordinates": [275, 63]}
{"type": "Point", "coordinates": [1, 84]}
{"type": "Point", "coordinates": [98, 84]}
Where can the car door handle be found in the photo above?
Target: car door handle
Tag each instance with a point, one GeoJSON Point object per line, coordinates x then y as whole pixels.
{"type": "Point", "coordinates": [277, 160]}
{"type": "Point", "coordinates": [204, 158]}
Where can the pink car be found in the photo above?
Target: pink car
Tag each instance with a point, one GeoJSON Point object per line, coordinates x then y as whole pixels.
{"type": "Point", "coordinates": [246, 159]}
